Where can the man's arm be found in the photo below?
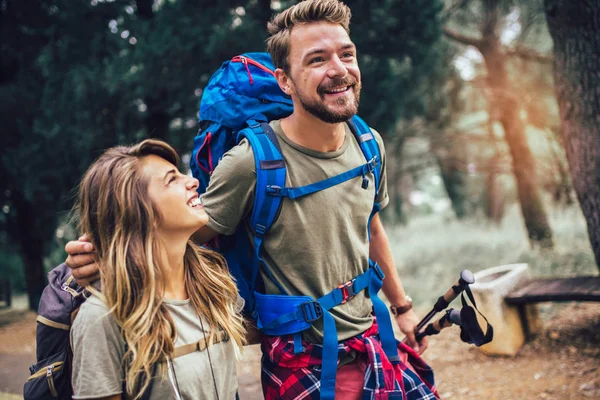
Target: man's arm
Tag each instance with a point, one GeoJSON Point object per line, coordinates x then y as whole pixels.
{"type": "Point", "coordinates": [81, 256]}
{"type": "Point", "coordinates": [379, 251]}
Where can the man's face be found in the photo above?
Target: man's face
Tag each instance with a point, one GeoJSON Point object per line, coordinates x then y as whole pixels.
{"type": "Point", "coordinates": [324, 78]}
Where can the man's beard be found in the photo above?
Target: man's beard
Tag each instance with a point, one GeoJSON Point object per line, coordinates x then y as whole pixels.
{"type": "Point", "coordinates": [321, 111]}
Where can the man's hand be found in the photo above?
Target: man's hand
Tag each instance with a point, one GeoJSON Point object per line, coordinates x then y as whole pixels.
{"type": "Point", "coordinates": [82, 260]}
{"type": "Point", "coordinates": [407, 323]}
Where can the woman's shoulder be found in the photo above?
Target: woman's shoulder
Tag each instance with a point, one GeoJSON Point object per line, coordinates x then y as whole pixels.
{"type": "Point", "coordinates": [94, 316]}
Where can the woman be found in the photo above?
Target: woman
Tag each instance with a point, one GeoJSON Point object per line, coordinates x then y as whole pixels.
{"type": "Point", "coordinates": [159, 291]}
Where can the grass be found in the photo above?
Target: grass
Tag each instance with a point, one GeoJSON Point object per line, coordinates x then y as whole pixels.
{"type": "Point", "coordinates": [431, 251]}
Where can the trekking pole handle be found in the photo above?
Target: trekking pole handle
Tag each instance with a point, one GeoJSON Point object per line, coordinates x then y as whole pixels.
{"type": "Point", "coordinates": [466, 278]}
{"type": "Point", "coordinates": [451, 317]}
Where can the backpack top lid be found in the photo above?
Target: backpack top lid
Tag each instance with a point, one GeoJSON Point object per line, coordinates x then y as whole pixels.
{"type": "Point", "coordinates": [61, 297]}
{"type": "Point", "coordinates": [242, 88]}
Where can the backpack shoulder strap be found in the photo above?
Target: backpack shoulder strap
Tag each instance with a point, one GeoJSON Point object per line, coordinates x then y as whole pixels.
{"type": "Point", "coordinates": [270, 172]}
{"type": "Point", "coordinates": [368, 144]}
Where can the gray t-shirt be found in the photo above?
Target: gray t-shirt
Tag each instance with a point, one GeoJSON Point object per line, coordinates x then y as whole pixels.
{"type": "Point", "coordinates": [318, 241]}
{"type": "Point", "coordinates": [98, 351]}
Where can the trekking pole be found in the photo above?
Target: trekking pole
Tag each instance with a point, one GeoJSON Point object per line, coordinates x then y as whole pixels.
{"type": "Point", "coordinates": [466, 278]}
{"type": "Point", "coordinates": [451, 316]}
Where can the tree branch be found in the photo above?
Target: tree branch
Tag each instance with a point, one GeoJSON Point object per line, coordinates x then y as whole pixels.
{"type": "Point", "coordinates": [529, 55]}
{"type": "Point", "coordinates": [463, 39]}
{"type": "Point", "coordinates": [458, 5]}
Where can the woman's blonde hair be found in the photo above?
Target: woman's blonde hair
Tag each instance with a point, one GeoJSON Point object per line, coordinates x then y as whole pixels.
{"type": "Point", "coordinates": [115, 210]}
{"type": "Point", "coordinates": [280, 27]}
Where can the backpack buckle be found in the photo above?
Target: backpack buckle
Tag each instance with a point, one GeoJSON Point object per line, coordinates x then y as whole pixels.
{"type": "Point", "coordinates": [312, 311]}
{"type": "Point", "coordinates": [347, 290]}
{"type": "Point", "coordinates": [274, 190]}
{"type": "Point", "coordinates": [373, 162]}
{"type": "Point", "coordinates": [378, 271]}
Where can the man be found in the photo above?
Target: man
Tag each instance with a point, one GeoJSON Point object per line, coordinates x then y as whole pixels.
{"type": "Point", "coordinates": [322, 240]}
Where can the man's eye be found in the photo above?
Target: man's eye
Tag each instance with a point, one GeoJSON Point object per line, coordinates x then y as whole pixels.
{"type": "Point", "coordinates": [348, 55]}
{"type": "Point", "coordinates": [316, 60]}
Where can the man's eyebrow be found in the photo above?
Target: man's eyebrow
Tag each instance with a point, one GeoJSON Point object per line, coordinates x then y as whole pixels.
{"type": "Point", "coordinates": [312, 52]}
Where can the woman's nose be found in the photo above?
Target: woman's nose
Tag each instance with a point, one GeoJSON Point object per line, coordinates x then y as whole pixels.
{"type": "Point", "coordinates": [192, 183]}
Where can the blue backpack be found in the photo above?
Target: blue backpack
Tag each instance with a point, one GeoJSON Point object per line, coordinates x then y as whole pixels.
{"type": "Point", "coordinates": [238, 102]}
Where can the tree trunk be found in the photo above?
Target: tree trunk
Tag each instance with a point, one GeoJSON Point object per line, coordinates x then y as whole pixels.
{"type": "Point", "coordinates": [32, 249]}
{"type": "Point", "coordinates": [454, 182]}
{"type": "Point", "coordinates": [506, 102]}
{"type": "Point", "coordinates": [532, 208]}
{"type": "Point", "coordinates": [575, 28]}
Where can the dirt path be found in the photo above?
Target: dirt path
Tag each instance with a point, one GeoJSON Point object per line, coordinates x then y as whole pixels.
{"type": "Point", "coordinates": [561, 363]}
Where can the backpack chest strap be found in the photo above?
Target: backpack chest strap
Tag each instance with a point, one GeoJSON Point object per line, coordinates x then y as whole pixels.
{"type": "Point", "coordinates": [295, 192]}
{"type": "Point", "coordinates": [200, 345]}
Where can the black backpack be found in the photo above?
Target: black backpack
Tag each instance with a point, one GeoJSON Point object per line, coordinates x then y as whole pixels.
{"type": "Point", "coordinates": [51, 374]}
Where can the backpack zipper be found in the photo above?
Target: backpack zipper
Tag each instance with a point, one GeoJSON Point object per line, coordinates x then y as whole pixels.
{"type": "Point", "coordinates": [49, 370]}
{"type": "Point", "coordinates": [248, 61]}
{"type": "Point", "coordinates": [57, 366]}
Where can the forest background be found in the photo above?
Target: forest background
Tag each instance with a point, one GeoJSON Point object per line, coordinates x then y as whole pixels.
{"type": "Point", "coordinates": [489, 110]}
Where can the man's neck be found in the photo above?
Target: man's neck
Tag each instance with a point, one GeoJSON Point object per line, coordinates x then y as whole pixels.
{"type": "Point", "coordinates": [308, 131]}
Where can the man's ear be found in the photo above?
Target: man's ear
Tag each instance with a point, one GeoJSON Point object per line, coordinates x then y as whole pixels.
{"type": "Point", "coordinates": [284, 81]}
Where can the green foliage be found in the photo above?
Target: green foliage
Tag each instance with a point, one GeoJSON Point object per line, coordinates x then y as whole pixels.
{"type": "Point", "coordinates": [400, 52]}
{"type": "Point", "coordinates": [78, 77]}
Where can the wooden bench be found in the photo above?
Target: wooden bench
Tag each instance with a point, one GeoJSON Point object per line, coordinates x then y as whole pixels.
{"type": "Point", "coordinates": [581, 288]}
{"type": "Point", "coordinates": [5, 293]}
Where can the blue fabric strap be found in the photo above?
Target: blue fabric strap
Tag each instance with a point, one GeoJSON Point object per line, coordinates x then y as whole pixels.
{"type": "Point", "coordinates": [294, 193]}
{"type": "Point", "coordinates": [329, 357]}
{"type": "Point", "coordinates": [298, 348]}
{"type": "Point", "coordinates": [265, 207]}
{"type": "Point", "coordinates": [384, 321]}
{"type": "Point", "coordinates": [367, 143]}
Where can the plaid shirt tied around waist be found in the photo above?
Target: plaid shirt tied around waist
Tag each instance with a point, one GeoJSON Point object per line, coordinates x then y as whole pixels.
{"type": "Point", "coordinates": [286, 375]}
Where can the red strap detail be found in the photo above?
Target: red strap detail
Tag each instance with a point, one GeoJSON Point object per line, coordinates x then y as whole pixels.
{"type": "Point", "coordinates": [249, 74]}
{"type": "Point", "coordinates": [210, 164]}
{"type": "Point", "coordinates": [248, 61]}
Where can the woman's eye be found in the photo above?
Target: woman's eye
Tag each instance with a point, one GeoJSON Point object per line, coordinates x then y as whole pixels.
{"type": "Point", "coordinates": [172, 179]}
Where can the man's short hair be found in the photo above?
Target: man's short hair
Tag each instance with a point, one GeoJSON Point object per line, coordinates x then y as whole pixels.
{"type": "Point", "coordinates": [280, 27]}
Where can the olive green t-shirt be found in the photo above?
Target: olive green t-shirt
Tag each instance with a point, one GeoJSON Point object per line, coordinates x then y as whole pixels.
{"type": "Point", "coordinates": [318, 241]}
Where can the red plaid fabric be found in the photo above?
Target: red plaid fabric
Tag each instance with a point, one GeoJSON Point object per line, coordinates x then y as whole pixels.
{"type": "Point", "coordinates": [286, 375]}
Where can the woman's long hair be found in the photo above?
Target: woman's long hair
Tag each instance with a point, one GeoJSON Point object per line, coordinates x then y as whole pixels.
{"type": "Point", "coordinates": [115, 210]}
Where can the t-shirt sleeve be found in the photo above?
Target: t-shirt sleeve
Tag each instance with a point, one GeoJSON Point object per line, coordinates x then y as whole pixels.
{"type": "Point", "coordinates": [228, 198]}
{"type": "Point", "coordinates": [98, 352]}
{"type": "Point", "coordinates": [382, 195]}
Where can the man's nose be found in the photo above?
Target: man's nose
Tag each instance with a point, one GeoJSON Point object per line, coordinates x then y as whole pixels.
{"type": "Point", "coordinates": [337, 68]}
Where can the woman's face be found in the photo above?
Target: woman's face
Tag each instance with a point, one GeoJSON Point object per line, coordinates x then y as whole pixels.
{"type": "Point", "coordinates": [175, 197]}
